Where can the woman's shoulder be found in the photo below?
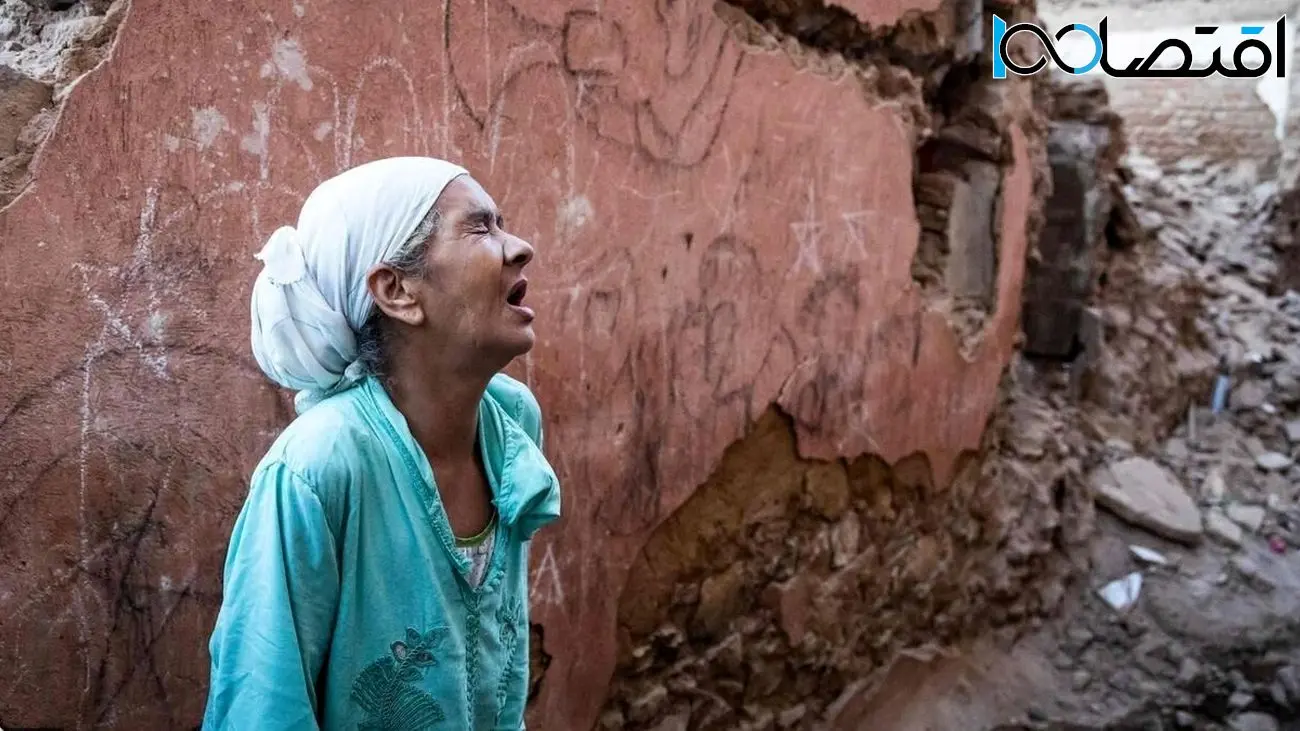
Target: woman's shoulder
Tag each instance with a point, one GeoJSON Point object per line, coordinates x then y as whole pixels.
{"type": "Point", "coordinates": [519, 402]}
{"type": "Point", "coordinates": [326, 445]}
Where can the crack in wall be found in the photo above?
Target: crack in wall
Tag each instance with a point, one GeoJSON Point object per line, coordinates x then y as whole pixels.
{"type": "Point", "coordinates": [922, 43]}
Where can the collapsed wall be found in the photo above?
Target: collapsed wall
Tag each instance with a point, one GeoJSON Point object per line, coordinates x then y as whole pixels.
{"type": "Point", "coordinates": [781, 258]}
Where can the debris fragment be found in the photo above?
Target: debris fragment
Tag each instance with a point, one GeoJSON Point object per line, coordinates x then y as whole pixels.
{"type": "Point", "coordinates": [1252, 574]}
{"type": "Point", "coordinates": [1123, 593]}
{"type": "Point", "coordinates": [1145, 494]}
{"type": "Point", "coordinates": [1273, 461]}
{"type": "Point", "coordinates": [1214, 487]}
{"type": "Point", "coordinates": [1254, 721]}
{"type": "Point", "coordinates": [1250, 517]}
{"type": "Point", "coordinates": [1249, 395]}
{"type": "Point", "coordinates": [1220, 527]}
{"type": "Point", "coordinates": [1148, 555]}
{"type": "Point", "coordinates": [1221, 384]}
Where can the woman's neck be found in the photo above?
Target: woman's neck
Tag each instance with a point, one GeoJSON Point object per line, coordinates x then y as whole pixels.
{"type": "Point", "coordinates": [441, 407]}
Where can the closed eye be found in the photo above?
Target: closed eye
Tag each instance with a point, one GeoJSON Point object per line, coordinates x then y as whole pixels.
{"type": "Point", "coordinates": [482, 221]}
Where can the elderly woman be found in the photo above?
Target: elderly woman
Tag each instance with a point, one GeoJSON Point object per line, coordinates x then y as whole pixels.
{"type": "Point", "coordinates": [377, 574]}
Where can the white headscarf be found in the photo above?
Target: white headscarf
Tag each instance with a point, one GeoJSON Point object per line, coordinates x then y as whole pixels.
{"type": "Point", "coordinates": [311, 299]}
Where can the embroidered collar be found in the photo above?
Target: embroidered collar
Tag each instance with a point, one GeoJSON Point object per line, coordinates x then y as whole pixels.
{"type": "Point", "coordinates": [525, 490]}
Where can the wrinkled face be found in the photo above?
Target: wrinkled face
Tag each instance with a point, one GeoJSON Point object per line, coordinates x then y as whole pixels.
{"type": "Point", "coordinates": [475, 286]}
{"type": "Point", "coordinates": [471, 297]}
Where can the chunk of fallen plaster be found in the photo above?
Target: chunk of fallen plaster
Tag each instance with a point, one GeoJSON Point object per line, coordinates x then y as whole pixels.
{"type": "Point", "coordinates": [1293, 431]}
{"type": "Point", "coordinates": [1123, 593]}
{"type": "Point", "coordinates": [1250, 517]}
{"type": "Point", "coordinates": [1221, 528]}
{"type": "Point", "coordinates": [1273, 461]}
{"type": "Point", "coordinates": [1214, 487]}
{"type": "Point", "coordinates": [1147, 555]}
{"type": "Point", "coordinates": [1146, 495]}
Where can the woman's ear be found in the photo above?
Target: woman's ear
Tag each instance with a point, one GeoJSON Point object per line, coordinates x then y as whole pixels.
{"type": "Point", "coordinates": [394, 295]}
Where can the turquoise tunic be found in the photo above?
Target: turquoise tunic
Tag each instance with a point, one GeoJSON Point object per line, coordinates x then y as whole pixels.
{"type": "Point", "coordinates": [346, 603]}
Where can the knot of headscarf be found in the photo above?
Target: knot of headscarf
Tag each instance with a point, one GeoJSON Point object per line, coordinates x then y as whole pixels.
{"type": "Point", "coordinates": [310, 299]}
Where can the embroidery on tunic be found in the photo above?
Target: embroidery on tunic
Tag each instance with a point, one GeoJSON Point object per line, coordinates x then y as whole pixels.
{"type": "Point", "coordinates": [471, 655]}
{"type": "Point", "coordinates": [385, 690]}
{"type": "Point", "coordinates": [509, 617]}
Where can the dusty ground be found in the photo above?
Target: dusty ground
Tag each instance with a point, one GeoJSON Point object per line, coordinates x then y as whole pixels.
{"type": "Point", "coordinates": [1213, 642]}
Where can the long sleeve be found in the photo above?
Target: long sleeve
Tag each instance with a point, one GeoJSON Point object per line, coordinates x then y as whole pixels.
{"type": "Point", "coordinates": [281, 588]}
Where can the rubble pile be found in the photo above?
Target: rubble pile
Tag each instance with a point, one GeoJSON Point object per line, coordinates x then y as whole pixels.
{"type": "Point", "coordinates": [1236, 447]}
{"type": "Point", "coordinates": [1159, 378]}
{"type": "Point", "coordinates": [1159, 370]}
{"type": "Point", "coordinates": [783, 586]}
{"type": "Point", "coordinates": [1192, 406]}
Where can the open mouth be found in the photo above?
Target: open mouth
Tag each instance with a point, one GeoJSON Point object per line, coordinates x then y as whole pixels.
{"type": "Point", "coordinates": [515, 297]}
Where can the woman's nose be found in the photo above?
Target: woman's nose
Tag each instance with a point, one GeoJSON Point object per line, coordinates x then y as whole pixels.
{"type": "Point", "coordinates": [518, 252]}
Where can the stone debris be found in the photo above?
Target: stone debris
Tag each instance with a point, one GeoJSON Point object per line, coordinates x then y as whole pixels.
{"type": "Point", "coordinates": [56, 42]}
{"type": "Point", "coordinates": [1209, 271]}
{"type": "Point", "coordinates": [1147, 555]}
{"type": "Point", "coordinates": [1147, 495]}
{"type": "Point", "coordinates": [1252, 574]}
{"type": "Point", "coordinates": [1250, 517]}
{"type": "Point", "coordinates": [1220, 527]}
{"type": "Point", "coordinates": [1195, 294]}
{"type": "Point", "coordinates": [1213, 488]}
{"type": "Point", "coordinates": [1292, 429]}
{"type": "Point", "coordinates": [1273, 461]}
{"type": "Point", "coordinates": [1254, 721]}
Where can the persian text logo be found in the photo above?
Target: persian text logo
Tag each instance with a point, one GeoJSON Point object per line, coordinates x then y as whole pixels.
{"type": "Point", "coordinates": [1149, 67]}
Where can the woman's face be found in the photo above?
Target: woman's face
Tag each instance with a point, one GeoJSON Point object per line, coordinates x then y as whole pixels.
{"type": "Point", "coordinates": [473, 292]}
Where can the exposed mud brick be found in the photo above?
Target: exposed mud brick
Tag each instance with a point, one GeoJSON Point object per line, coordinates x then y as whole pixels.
{"type": "Point", "coordinates": [1083, 148]}
{"type": "Point", "coordinates": [1286, 225]}
{"type": "Point", "coordinates": [720, 597]}
{"type": "Point", "coordinates": [909, 553]}
{"type": "Point", "coordinates": [972, 263]}
{"type": "Point", "coordinates": [958, 188]}
{"type": "Point", "coordinates": [1215, 118]}
{"type": "Point", "coordinates": [1060, 278]}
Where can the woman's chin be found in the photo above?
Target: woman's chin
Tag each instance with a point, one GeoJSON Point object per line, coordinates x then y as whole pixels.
{"type": "Point", "coordinates": [519, 341]}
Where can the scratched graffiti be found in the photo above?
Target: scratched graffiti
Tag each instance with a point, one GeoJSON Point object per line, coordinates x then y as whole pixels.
{"type": "Point", "coordinates": [131, 478]}
{"type": "Point", "coordinates": [716, 233]}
